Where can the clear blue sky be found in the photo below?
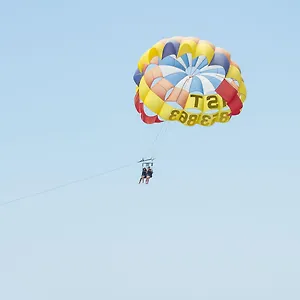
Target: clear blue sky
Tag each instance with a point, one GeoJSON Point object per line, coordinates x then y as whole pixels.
{"type": "Point", "coordinates": [222, 224]}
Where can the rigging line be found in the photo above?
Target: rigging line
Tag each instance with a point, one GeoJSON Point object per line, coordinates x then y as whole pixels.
{"type": "Point", "coordinates": [65, 184]}
{"type": "Point", "coordinates": [164, 125]}
{"type": "Point", "coordinates": [78, 180]}
{"type": "Point", "coordinates": [159, 133]}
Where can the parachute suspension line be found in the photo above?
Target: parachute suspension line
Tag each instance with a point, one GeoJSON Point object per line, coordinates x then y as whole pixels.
{"type": "Point", "coordinates": [148, 161]}
{"type": "Point", "coordinates": [163, 126]}
{"type": "Point", "coordinates": [66, 184]}
{"type": "Point", "coordinates": [163, 129]}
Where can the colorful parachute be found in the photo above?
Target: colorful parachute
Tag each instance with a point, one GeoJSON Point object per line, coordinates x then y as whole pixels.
{"type": "Point", "coordinates": [188, 80]}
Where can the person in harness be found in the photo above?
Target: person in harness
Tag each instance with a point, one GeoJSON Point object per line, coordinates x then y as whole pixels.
{"type": "Point", "coordinates": [143, 176]}
{"type": "Point", "coordinates": [149, 174]}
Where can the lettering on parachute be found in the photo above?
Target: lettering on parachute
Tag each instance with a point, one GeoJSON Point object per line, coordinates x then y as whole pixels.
{"type": "Point", "coordinates": [202, 103]}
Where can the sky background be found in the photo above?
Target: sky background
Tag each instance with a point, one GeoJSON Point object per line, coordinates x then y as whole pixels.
{"type": "Point", "coordinates": [220, 219]}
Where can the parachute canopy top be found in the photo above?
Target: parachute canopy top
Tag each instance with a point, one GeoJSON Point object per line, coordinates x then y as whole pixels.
{"type": "Point", "coordinates": [188, 80]}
